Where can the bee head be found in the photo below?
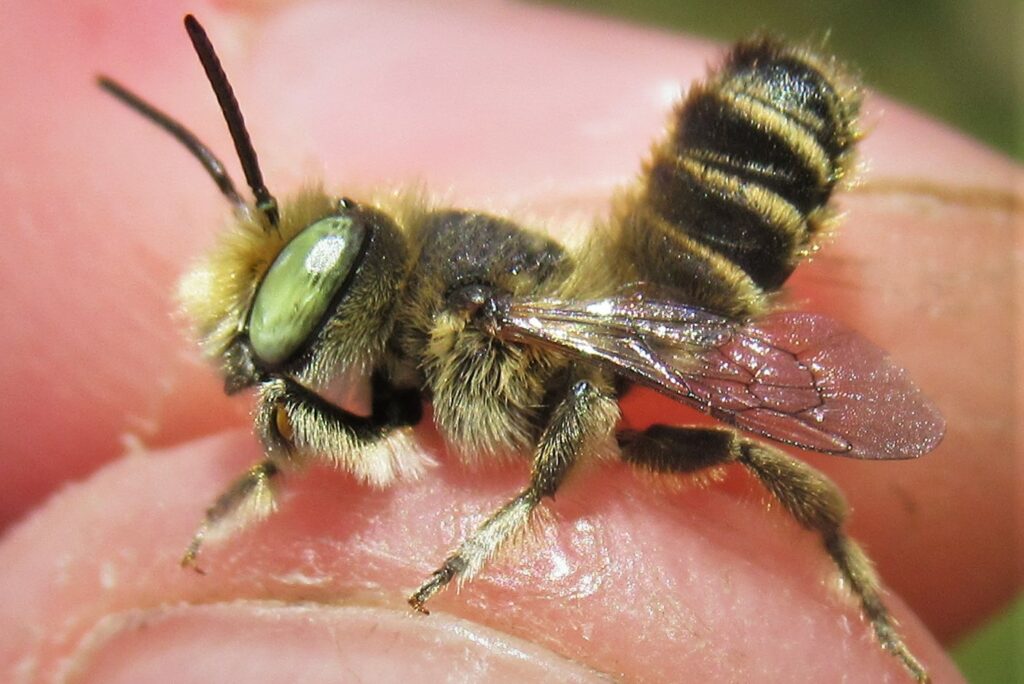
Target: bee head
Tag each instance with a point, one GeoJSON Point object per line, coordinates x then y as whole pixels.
{"type": "Point", "coordinates": [304, 288]}
{"type": "Point", "coordinates": [306, 298]}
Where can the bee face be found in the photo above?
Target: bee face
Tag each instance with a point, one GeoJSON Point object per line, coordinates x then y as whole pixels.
{"type": "Point", "coordinates": [523, 345]}
{"type": "Point", "coordinates": [307, 297]}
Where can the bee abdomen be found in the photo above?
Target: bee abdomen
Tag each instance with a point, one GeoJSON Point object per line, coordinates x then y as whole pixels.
{"type": "Point", "coordinates": [750, 163]}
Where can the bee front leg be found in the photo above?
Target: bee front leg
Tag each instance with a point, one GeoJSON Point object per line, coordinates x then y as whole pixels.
{"type": "Point", "coordinates": [248, 500]}
{"type": "Point", "coordinates": [297, 426]}
{"type": "Point", "coordinates": [804, 493]}
{"type": "Point", "coordinates": [582, 421]}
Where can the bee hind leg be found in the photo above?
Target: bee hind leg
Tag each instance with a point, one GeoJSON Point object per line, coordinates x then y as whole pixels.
{"type": "Point", "coordinates": [583, 420]}
{"type": "Point", "coordinates": [807, 495]}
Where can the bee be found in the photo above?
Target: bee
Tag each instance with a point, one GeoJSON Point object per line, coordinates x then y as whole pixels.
{"type": "Point", "coordinates": [524, 346]}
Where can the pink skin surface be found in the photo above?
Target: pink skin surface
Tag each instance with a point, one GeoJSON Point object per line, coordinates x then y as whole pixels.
{"type": "Point", "coordinates": [512, 109]}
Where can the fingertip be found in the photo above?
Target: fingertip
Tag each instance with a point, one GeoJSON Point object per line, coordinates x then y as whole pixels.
{"type": "Point", "coordinates": [625, 579]}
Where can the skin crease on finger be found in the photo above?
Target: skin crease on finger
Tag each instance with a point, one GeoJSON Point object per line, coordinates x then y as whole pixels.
{"type": "Point", "coordinates": [634, 582]}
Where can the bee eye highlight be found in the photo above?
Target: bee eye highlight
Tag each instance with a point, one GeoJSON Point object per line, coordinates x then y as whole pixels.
{"type": "Point", "coordinates": [300, 285]}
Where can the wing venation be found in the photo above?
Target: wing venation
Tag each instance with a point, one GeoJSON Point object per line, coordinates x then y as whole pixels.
{"type": "Point", "coordinates": [797, 378]}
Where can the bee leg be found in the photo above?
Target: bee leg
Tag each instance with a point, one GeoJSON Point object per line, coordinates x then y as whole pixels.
{"type": "Point", "coordinates": [247, 500]}
{"type": "Point", "coordinates": [295, 426]}
{"type": "Point", "coordinates": [806, 494]}
{"type": "Point", "coordinates": [582, 421]}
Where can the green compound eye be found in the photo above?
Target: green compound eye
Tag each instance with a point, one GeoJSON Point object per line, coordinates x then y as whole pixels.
{"type": "Point", "coordinates": [301, 284]}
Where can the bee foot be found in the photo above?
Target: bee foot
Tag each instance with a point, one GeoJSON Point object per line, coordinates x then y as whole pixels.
{"type": "Point", "coordinates": [189, 562]}
{"type": "Point", "coordinates": [438, 581]}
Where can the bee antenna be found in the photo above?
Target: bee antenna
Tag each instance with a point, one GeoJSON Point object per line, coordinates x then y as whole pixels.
{"type": "Point", "coordinates": [265, 202]}
{"type": "Point", "coordinates": [186, 137]}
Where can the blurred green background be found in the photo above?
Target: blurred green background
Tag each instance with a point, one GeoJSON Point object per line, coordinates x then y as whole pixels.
{"type": "Point", "coordinates": [962, 62]}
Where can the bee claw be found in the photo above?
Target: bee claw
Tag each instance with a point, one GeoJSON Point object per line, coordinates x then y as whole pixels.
{"type": "Point", "coordinates": [418, 604]}
{"type": "Point", "coordinates": [188, 562]}
{"type": "Point", "coordinates": [438, 581]}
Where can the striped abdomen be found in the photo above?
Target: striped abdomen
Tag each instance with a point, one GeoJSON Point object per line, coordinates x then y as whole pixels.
{"type": "Point", "coordinates": [738, 190]}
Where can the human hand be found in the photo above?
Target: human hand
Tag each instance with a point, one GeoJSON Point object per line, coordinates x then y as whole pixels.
{"type": "Point", "coordinates": [511, 109]}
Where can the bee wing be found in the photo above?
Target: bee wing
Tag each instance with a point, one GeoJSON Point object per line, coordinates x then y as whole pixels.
{"type": "Point", "coordinates": [796, 378]}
